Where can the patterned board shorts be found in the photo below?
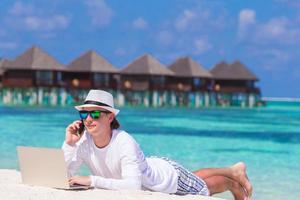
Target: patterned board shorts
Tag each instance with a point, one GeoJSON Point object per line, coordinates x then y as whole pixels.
{"type": "Point", "coordinates": [188, 183]}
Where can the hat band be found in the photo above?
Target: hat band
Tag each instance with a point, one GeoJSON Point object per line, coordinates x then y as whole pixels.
{"type": "Point", "coordinates": [96, 103]}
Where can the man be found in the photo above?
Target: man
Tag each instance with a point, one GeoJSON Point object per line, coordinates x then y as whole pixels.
{"type": "Point", "coordinates": [117, 162]}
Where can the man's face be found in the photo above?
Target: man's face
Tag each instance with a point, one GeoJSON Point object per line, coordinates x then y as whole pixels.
{"type": "Point", "coordinates": [98, 126]}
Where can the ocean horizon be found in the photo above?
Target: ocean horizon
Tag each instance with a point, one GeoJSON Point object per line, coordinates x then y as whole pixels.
{"type": "Point", "coordinates": [280, 99]}
{"type": "Point", "coordinates": [265, 138]}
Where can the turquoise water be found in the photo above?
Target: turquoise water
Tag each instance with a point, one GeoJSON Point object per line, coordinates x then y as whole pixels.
{"type": "Point", "coordinates": [266, 139]}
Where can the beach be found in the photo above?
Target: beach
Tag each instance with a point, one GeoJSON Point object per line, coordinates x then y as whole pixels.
{"type": "Point", "coordinates": [11, 188]}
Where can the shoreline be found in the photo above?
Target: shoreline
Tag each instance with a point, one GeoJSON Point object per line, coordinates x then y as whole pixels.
{"type": "Point", "coordinates": [12, 189]}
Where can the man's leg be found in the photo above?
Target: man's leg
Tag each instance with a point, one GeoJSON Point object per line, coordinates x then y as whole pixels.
{"type": "Point", "coordinates": [218, 184]}
{"type": "Point", "coordinates": [236, 172]}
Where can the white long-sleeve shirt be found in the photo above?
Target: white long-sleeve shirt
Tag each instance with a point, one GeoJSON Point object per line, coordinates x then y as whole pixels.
{"type": "Point", "coordinates": [121, 164]}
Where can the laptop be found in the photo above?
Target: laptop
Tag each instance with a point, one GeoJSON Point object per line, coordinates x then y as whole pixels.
{"type": "Point", "coordinates": [44, 167]}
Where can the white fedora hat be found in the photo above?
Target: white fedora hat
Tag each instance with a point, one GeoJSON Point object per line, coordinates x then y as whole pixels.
{"type": "Point", "coordinates": [99, 99]}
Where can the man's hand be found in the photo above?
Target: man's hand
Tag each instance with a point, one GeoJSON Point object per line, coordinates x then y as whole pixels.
{"type": "Point", "coordinates": [71, 133]}
{"type": "Point", "coordinates": [82, 180]}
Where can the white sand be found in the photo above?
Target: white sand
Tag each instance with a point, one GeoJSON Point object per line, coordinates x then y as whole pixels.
{"type": "Point", "coordinates": [11, 188]}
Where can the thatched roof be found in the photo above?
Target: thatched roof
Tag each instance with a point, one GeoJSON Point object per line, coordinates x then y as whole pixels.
{"type": "Point", "coordinates": [187, 67]}
{"type": "Point", "coordinates": [146, 65]}
{"type": "Point", "coordinates": [34, 59]}
{"type": "Point", "coordinates": [91, 62]}
{"type": "Point", "coordinates": [234, 71]}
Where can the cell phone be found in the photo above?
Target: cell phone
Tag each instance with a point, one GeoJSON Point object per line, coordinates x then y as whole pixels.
{"type": "Point", "coordinates": [81, 128]}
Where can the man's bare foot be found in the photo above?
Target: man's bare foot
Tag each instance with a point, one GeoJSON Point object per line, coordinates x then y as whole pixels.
{"type": "Point", "coordinates": [238, 191]}
{"type": "Point", "coordinates": [239, 174]}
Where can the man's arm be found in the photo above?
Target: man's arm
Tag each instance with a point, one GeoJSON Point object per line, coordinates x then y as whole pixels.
{"type": "Point", "coordinates": [72, 158]}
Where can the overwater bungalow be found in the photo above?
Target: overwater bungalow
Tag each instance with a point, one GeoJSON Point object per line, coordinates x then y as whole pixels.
{"type": "Point", "coordinates": [90, 70]}
{"type": "Point", "coordinates": [31, 77]}
{"type": "Point", "coordinates": [36, 78]}
{"type": "Point", "coordinates": [33, 68]}
{"type": "Point", "coordinates": [145, 82]}
{"type": "Point", "coordinates": [235, 84]}
{"type": "Point", "coordinates": [191, 82]}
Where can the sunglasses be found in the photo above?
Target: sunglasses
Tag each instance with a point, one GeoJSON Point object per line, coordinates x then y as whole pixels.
{"type": "Point", "coordinates": [95, 114]}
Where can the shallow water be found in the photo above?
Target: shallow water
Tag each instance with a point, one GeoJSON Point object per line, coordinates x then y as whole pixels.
{"type": "Point", "coordinates": [266, 139]}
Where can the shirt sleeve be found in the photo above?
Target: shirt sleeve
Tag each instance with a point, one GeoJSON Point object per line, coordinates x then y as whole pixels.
{"type": "Point", "coordinates": [73, 158]}
{"type": "Point", "coordinates": [116, 184]}
{"type": "Point", "coordinates": [130, 157]}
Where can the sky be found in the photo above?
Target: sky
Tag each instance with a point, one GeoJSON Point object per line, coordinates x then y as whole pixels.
{"type": "Point", "coordinates": [263, 35]}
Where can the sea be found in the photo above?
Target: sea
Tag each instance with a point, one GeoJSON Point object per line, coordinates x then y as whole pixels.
{"type": "Point", "coordinates": [267, 139]}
